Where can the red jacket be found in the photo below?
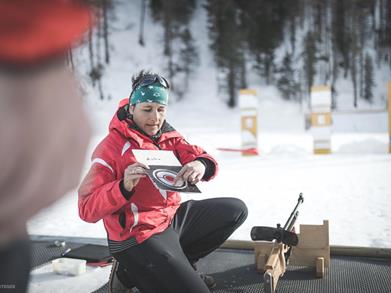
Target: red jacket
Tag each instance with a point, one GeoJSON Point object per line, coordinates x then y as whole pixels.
{"type": "Point", "coordinates": [148, 211]}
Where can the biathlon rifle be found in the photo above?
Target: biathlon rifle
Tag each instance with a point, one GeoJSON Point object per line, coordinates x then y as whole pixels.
{"type": "Point", "coordinates": [283, 239]}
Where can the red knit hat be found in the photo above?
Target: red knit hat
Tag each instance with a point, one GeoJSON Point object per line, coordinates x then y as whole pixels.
{"type": "Point", "coordinates": [34, 30]}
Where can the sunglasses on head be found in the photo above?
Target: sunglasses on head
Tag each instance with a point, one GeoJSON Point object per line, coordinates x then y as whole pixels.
{"type": "Point", "coordinates": [150, 79]}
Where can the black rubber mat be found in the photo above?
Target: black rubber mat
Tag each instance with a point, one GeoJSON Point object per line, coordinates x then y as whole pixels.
{"type": "Point", "coordinates": [234, 271]}
{"type": "Point", "coordinates": [45, 251]}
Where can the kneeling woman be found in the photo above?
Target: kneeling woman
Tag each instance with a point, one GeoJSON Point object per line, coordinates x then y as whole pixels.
{"type": "Point", "coordinates": [155, 239]}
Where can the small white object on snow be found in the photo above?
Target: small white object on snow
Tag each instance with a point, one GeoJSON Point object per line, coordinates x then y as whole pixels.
{"type": "Point", "coordinates": [69, 266]}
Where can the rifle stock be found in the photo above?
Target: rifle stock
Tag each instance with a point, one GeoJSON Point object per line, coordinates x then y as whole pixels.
{"type": "Point", "coordinates": [275, 268]}
{"type": "Point", "coordinates": [278, 256]}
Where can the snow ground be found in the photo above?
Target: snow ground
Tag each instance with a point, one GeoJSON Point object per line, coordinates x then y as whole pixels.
{"type": "Point", "coordinates": [351, 187]}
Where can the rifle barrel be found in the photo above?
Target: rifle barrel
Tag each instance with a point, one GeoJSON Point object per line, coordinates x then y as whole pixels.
{"type": "Point", "coordinates": [292, 218]}
{"type": "Point", "coordinates": [293, 221]}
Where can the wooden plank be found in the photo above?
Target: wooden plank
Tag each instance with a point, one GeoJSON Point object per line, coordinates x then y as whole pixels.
{"type": "Point", "coordinates": [313, 243]}
{"type": "Point", "coordinates": [264, 247]}
{"type": "Point", "coordinates": [380, 252]}
{"type": "Point", "coordinates": [320, 267]}
{"type": "Point", "coordinates": [361, 251]}
{"type": "Point", "coordinates": [261, 262]}
{"type": "Point", "coordinates": [307, 256]}
{"type": "Point", "coordinates": [314, 236]}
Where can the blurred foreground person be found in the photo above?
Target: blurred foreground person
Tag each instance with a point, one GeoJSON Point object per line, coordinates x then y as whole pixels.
{"type": "Point", "coordinates": [155, 239]}
{"type": "Point", "coordinates": [43, 130]}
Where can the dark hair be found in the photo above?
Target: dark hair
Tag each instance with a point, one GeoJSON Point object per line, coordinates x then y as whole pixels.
{"type": "Point", "coordinates": [138, 76]}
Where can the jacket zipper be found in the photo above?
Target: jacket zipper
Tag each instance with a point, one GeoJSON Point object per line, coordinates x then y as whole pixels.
{"type": "Point", "coordinates": [156, 144]}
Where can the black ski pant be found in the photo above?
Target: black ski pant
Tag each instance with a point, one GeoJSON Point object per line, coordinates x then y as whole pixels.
{"type": "Point", "coordinates": [163, 263]}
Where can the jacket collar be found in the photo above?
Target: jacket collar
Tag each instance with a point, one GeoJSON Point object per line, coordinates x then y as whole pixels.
{"type": "Point", "coordinates": [123, 123]}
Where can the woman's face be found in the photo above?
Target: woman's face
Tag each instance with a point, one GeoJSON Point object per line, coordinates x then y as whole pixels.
{"type": "Point", "coordinates": [148, 116]}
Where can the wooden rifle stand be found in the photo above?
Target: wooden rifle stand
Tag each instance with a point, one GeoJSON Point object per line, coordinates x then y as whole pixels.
{"type": "Point", "coordinates": [313, 250]}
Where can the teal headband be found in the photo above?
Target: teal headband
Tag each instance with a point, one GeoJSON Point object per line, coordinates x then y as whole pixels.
{"type": "Point", "coordinates": [153, 93]}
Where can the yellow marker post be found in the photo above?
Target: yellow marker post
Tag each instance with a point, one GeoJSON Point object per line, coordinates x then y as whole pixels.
{"type": "Point", "coordinates": [389, 117]}
{"type": "Point", "coordinates": [248, 104]}
{"type": "Point", "coordinates": [321, 119]}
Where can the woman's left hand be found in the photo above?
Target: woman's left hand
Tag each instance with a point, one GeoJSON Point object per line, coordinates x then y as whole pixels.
{"type": "Point", "coordinates": [191, 172]}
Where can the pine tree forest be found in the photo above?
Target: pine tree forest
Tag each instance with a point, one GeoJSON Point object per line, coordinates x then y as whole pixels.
{"type": "Point", "coordinates": [292, 45]}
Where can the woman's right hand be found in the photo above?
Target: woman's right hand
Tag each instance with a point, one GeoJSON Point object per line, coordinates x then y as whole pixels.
{"type": "Point", "coordinates": [133, 174]}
